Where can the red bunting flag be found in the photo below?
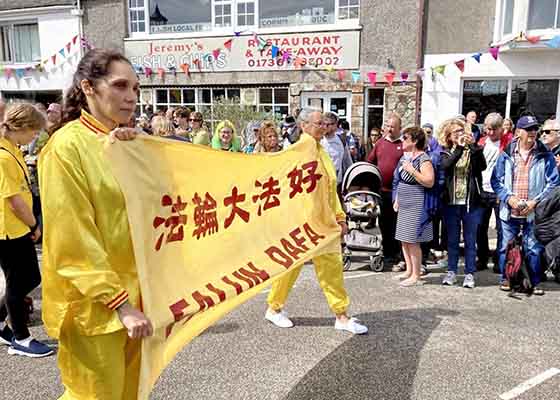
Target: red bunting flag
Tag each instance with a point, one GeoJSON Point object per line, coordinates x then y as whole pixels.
{"type": "Point", "coordinates": [461, 65]}
{"type": "Point", "coordinates": [8, 72]}
{"type": "Point", "coordinates": [390, 77]}
{"type": "Point", "coordinates": [404, 77]}
{"type": "Point", "coordinates": [68, 46]}
{"type": "Point", "coordinates": [148, 71]}
{"type": "Point", "coordinates": [185, 68]}
{"type": "Point", "coordinates": [372, 76]}
{"type": "Point", "coordinates": [216, 53]}
{"type": "Point", "coordinates": [74, 39]}
{"type": "Point", "coordinates": [161, 72]}
{"type": "Point", "coordinates": [196, 62]}
{"type": "Point", "coordinates": [494, 51]}
{"type": "Point", "coordinates": [341, 74]}
{"type": "Point", "coordinates": [533, 39]}
{"type": "Point", "coordinates": [228, 43]}
{"type": "Point", "coordinates": [53, 58]}
{"type": "Point", "coordinates": [298, 62]}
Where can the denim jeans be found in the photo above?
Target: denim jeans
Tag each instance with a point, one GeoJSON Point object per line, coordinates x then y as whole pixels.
{"type": "Point", "coordinates": [454, 216]}
{"type": "Point", "coordinates": [532, 248]}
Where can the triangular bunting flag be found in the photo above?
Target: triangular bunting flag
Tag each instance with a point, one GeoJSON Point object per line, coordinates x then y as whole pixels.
{"type": "Point", "coordinates": [355, 76]}
{"type": "Point", "coordinates": [404, 77]}
{"type": "Point", "coordinates": [138, 69]}
{"type": "Point", "coordinates": [53, 58]}
{"type": "Point", "coordinates": [274, 51]}
{"type": "Point", "coordinates": [148, 71]}
{"type": "Point", "coordinates": [173, 70]}
{"type": "Point", "coordinates": [216, 53]}
{"type": "Point", "coordinates": [461, 65]}
{"type": "Point", "coordinates": [74, 39]}
{"type": "Point", "coordinates": [341, 74]}
{"type": "Point", "coordinates": [228, 43]}
{"type": "Point", "coordinates": [421, 73]}
{"type": "Point", "coordinates": [196, 62]}
{"type": "Point", "coordinates": [20, 72]}
{"type": "Point", "coordinates": [298, 62]}
{"type": "Point", "coordinates": [439, 69]}
{"type": "Point", "coordinates": [68, 46]}
{"type": "Point", "coordinates": [554, 43]}
{"type": "Point", "coordinates": [372, 76]}
{"type": "Point", "coordinates": [286, 56]}
{"type": "Point", "coordinates": [533, 39]}
{"type": "Point", "coordinates": [494, 51]}
{"type": "Point", "coordinates": [185, 68]}
{"type": "Point", "coordinates": [8, 72]}
{"type": "Point", "coordinates": [330, 69]}
{"type": "Point", "coordinates": [237, 33]}
{"type": "Point", "coordinates": [61, 52]}
{"type": "Point", "coordinates": [161, 72]}
{"type": "Point", "coordinates": [390, 77]}
{"type": "Point", "coordinates": [476, 56]}
{"type": "Point", "coordinates": [39, 67]}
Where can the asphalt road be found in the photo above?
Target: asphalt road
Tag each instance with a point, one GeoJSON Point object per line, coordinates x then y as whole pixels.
{"type": "Point", "coordinates": [428, 342]}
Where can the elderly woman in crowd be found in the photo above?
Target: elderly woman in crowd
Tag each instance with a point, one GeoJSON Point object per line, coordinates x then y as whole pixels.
{"type": "Point", "coordinates": [462, 162]}
{"type": "Point", "coordinates": [161, 126]}
{"type": "Point", "coordinates": [199, 133]}
{"type": "Point", "coordinates": [225, 137]}
{"type": "Point", "coordinates": [251, 136]}
{"type": "Point", "coordinates": [414, 173]}
{"type": "Point", "coordinates": [268, 140]}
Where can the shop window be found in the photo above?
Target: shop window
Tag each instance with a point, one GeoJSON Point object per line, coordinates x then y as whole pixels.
{"type": "Point", "coordinates": [234, 94]}
{"type": "Point", "coordinates": [137, 16]}
{"type": "Point", "coordinates": [274, 100]}
{"type": "Point", "coordinates": [375, 106]}
{"type": "Point", "coordinates": [485, 97]}
{"type": "Point", "coordinates": [348, 9]}
{"type": "Point", "coordinates": [167, 16]}
{"type": "Point", "coordinates": [543, 14]}
{"type": "Point", "coordinates": [20, 43]}
{"type": "Point", "coordinates": [507, 21]}
{"type": "Point", "coordinates": [538, 97]}
{"type": "Point", "coordinates": [296, 12]}
{"type": "Point", "coordinates": [222, 13]}
{"type": "Point", "coordinates": [246, 13]}
{"type": "Point", "coordinates": [189, 96]}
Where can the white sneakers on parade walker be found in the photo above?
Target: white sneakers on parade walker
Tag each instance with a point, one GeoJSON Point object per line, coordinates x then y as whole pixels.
{"type": "Point", "coordinates": [352, 326]}
{"type": "Point", "coordinates": [280, 319]}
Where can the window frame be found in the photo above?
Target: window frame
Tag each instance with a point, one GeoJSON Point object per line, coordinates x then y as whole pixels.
{"type": "Point", "coordinates": [339, 24]}
{"type": "Point", "coordinates": [368, 106]}
{"type": "Point", "coordinates": [11, 41]}
{"type": "Point", "coordinates": [521, 21]}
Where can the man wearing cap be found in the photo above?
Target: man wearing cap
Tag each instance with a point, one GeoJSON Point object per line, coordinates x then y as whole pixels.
{"type": "Point", "coordinates": [551, 138]}
{"type": "Point", "coordinates": [290, 131]}
{"type": "Point", "coordinates": [525, 174]}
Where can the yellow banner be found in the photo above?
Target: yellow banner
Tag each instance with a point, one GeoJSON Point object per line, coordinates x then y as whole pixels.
{"type": "Point", "coordinates": [212, 228]}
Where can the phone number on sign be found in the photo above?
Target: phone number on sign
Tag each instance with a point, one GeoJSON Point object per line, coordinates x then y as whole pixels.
{"type": "Point", "coordinates": [269, 62]}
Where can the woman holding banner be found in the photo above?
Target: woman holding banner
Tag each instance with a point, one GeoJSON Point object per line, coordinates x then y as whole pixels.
{"type": "Point", "coordinates": [91, 295]}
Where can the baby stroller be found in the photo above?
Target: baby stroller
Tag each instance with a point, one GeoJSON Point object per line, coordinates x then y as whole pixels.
{"type": "Point", "coordinates": [360, 189]}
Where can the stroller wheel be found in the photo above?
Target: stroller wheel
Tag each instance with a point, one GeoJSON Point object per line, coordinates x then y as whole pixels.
{"type": "Point", "coordinates": [346, 262]}
{"type": "Point", "coordinates": [376, 263]}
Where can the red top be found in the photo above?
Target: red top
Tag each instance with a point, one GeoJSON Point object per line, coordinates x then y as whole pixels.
{"type": "Point", "coordinates": [386, 156]}
{"type": "Point", "coordinates": [504, 140]}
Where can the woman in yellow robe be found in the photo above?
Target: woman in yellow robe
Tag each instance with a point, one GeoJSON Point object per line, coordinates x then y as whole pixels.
{"type": "Point", "coordinates": [91, 295]}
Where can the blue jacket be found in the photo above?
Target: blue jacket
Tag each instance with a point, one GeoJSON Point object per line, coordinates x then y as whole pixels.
{"type": "Point", "coordinates": [543, 177]}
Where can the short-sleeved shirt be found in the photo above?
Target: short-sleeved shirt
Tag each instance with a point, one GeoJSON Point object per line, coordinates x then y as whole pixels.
{"type": "Point", "coordinates": [12, 181]}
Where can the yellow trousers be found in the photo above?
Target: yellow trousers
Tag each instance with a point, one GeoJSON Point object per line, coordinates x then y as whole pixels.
{"type": "Point", "coordinates": [102, 367]}
{"type": "Point", "coordinates": [329, 271]}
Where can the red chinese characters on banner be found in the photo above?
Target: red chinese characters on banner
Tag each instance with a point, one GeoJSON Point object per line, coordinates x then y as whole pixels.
{"type": "Point", "coordinates": [297, 178]}
{"type": "Point", "coordinates": [174, 223]}
{"type": "Point", "coordinates": [232, 201]}
{"type": "Point", "coordinates": [271, 190]}
{"type": "Point", "coordinates": [205, 217]}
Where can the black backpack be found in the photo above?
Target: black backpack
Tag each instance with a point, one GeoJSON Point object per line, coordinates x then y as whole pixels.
{"type": "Point", "coordinates": [517, 272]}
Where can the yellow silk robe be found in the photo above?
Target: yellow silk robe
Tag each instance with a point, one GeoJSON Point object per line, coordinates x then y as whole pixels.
{"type": "Point", "coordinates": [88, 262]}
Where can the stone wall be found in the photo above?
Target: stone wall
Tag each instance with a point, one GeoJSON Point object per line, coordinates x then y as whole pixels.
{"type": "Point", "coordinates": [402, 100]}
{"type": "Point", "coordinates": [105, 23]}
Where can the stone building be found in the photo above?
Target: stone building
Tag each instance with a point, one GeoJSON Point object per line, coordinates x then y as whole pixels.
{"type": "Point", "coordinates": [161, 36]}
{"type": "Point", "coordinates": [524, 78]}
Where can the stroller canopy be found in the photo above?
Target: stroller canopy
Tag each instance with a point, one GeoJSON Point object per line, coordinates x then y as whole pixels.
{"type": "Point", "coordinates": [362, 174]}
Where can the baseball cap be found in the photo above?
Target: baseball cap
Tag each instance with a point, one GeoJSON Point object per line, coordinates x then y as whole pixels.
{"type": "Point", "coordinates": [428, 126]}
{"type": "Point", "coordinates": [527, 121]}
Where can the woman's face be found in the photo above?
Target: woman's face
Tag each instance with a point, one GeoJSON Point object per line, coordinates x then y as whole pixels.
{"type": "Point", "coordinates": [270, 139]}
{"type": "Point", "coordinates": [195, 122]}
{"type": "Point", "coordinates": [456, 132]}
{"type": "Point", "coordinates": [507, 126]}
{"type": "Point", "coordinates": [182, 122]}
{"type": "Point", "coordinates": [113, 99]}
{"type": "Point", "coordinates": [25, 136]}
{"type": "Point", "coordinates": [374, 136]}
{"type": "Point", "coordinates": [226, 134]}
{"type": "Point", "coordinates": [408, 144]}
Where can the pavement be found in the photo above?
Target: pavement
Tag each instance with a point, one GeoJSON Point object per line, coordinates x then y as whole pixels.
{"type": "Point", "coordinates": [426, 342]}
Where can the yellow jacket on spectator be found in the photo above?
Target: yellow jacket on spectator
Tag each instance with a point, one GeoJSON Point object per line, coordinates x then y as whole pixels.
{"type": "Point", "coordinates": [13, 180]}
{"type": "Point", "coordinates": [88, 260]}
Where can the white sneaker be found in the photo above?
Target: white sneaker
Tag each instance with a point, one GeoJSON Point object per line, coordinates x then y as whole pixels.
{"type": "Point", "coordinates": [469, 281]}
{"type": "Point", "coordinates": [352, 326]}
{"type": "Point", "coordinates": [280, 319]}
{"type": "Point", "coordinates": [450, 279]}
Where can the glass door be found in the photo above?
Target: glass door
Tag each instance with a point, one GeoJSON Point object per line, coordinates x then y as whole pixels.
{"type": "Point", "coordinates": [337, 102]}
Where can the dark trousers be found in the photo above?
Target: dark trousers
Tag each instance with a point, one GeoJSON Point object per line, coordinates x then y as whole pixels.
{"type": "Point", "coordinates": [388, 226]}
{"type": "Point", "coordinates": [469, 219]}
{"type": "Point", "coordinates": [439, 241]}
{"type": "Point", "coordinates": [490, 204]}
{"type": "Point", "coordinates": [18, 260]}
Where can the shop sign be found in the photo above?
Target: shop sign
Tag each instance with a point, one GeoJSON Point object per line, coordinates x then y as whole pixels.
{"type": "Point", "coordinates": [180, 28]}
{"type": "Point", "coordinates": [323, 50]}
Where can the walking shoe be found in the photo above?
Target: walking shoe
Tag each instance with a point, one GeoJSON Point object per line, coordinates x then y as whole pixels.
{"type": "Point", "coordinates": [537, 291]}
{"type": "Point", "coordinates": [280, 319]}
{"type": "Point", "coordinates": [352, 326]}
{"type": "Point", "coordinates": [401, 266]}
{"type": "Point", "coordinates": [35, 349]}
{"type": "Point", "coordinates": [450, 279]}
{"type": "Point", "coordinates": [6, 336]}
{"type": "Point", "coordinates": [469, 281]}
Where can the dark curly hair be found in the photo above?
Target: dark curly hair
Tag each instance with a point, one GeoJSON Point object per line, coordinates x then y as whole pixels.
{"type": "Point", "coordinates": [92, 67]}
{"type": "Point", "coordinates": [417, 135]}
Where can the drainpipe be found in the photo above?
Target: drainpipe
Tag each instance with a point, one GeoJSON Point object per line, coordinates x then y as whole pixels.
{"type": "Point", "coordinates": [419, 58]}
{"type": "Point", "coordinates": [79, 12]}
